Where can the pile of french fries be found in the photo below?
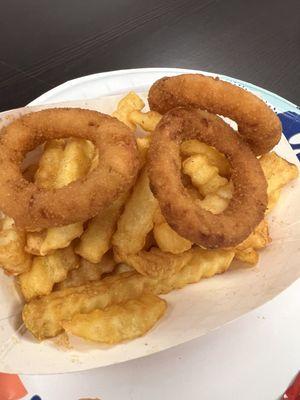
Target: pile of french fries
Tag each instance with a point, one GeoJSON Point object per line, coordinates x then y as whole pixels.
{"type": "Point", "coordinates": [100, 279]}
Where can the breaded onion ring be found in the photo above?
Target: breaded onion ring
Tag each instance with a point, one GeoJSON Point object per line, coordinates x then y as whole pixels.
{"type": "Point", "coordinates": [32, 207]}
{"type": "Point", "coordinates": [258, 125]}
{"type": "Point", "coordinates": [184, 215]}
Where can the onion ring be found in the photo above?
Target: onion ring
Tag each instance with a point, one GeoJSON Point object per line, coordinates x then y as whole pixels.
{"type": "Point", "coordinates": [35, 208]}
{"type": "Point", "coordinates": [258, 125]}
{"type": "Point", "coordinates": [246, 208]}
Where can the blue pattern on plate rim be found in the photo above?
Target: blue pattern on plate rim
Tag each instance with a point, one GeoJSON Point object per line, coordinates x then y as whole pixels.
{"type": "Point", "coordinates": [291, 129]}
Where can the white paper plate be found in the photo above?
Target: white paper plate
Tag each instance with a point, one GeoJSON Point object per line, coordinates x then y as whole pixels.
{"type": "Point", "coordinates": [194, 310]}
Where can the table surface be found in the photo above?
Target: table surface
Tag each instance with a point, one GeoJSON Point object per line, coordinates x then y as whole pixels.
{"type": "Point", "coordinates": [44, 43]}
{"type": "Point", "coordinates": [48, 42]}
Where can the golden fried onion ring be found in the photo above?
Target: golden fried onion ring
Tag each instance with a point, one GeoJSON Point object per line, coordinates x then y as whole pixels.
{"type": "Point", "coordinates": [258, 125]}
{"type": "Point", "coordinates": [184, 215]}
{"type": "Point", "coordinates": [32, 207]}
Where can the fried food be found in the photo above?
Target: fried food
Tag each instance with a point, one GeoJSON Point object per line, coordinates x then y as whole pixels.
{"type": "Point", "coordinates": [46, 271]}
{"type": "Point", "coordinates": [100, 275]}
{"type": "Point", "coordinates": [146, 120]}
{"type": "Point", "coordinates": [215, 190]}
{"type": "Point", "coordinates": [128, 104]}
{"type": "Point", "coordinates": [215, 158]}
{"type": "Point", "coordinates": [258, 125]}
{"type": "Point", "coordinates": [166, 238]}
{"type": "Point", "coordinates": [96, 239]}
{"type": "Point", "coordinates": [49, 164]}
{"type": "Point", "coordinates": [70, 163]}
{"type": "Point", "coordinates": [32, 207]}
{"type": "Point", "coordinates": [88, 272]}
{"type": "Point", "coordinates": [60, 306]}
{"type": "Point", "coordinates": [13, 258]}
{"type": "Point", "coordinates": [278, 173]}
{"type": "Point", "coordinates": [203, 264]}
{"type": "Point", "coordinates": [259, 239]}
{"type": "Point", "coordinates": [203, 175]}
{"type": "Point", "coordinates": [118, 322]}
{"type": "Point", "coordinates": [248, 204]}
{"type": "Point", "coordinates": [143, 144]}
{"type": "Point", "coordinates": [137, 218]}
{"type": "Point", "coordinates": [217, 202]}
{"type": "Point", "coordinates": [156, 263]}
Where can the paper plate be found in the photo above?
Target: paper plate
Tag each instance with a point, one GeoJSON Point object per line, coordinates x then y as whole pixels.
{"type": "Point", "coordinates": [193, 311]}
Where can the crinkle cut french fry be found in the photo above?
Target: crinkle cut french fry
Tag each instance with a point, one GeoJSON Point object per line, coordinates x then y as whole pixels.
{"type": "Point", "coordinates": [46, 271]}
{"type": "Point", "coordinates": [156, 263]}
{"type": "Point", "coordinates": [259, 239]}
{"type": "Point", "coordinates": [88, 272]}
{"type": "Point", "coordinates": [192, 147]}
{"type": "Point", "coordinates": [13, 257]}
{"type": "Point", "coordinates": [204, 175]}
{"type": "Point", "coordinates": [49, 164]}
{"type": "Point", "coordinates": [64, 304]}
{"type": "Point", "coordinates": [278, 173]}
{"type": "Point", "coordinates": [76, 161]}
{"type": "Point", "coordinates": [70, 163]}
{"type": "Point", "coordinates": [146, 120]}
{"type": "Point", "coordinates": [203, 264]}
{"type": "Point", "coordinates": [118, 322]}
{"type": "Point", "coordinates": [247, 256]}
{"type": "Point", "coordinates": [131, 102]}
{"type": "Point", "coordinates": [143, 144]}
{"type": "Point", "coordinates": [96, 239]}
{"type": "Point", "coordinates": [217, 190]}
{"type": "Point", "coordinates": [136, 220]}
{"type": "Point", "coordinates": [166, 238]}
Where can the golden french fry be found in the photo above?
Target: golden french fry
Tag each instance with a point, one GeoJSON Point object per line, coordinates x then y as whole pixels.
{"type": "Point", "coordinates": [120, 268]}
{"type": "Point", "coordinates": [96, 239]}
{"type": "Point", "coordinates": [203, 264]}
{"type": "Point", "coordinates": [34, 242]}
{"type": "Point", "coordinates": [75, 163]}
{"type": "Point", "coordinates": [60, 237]}
{"type": "Point", "coordinates": [71, 163]}
{"type": "Point", "coordinates": [88, 272]}
{"type": "Point", "coordinates": [278, 173]}
{"type": "Point", "coordinates": [13, 257]}
{"type": "Point", "coordinates": [46, 271]}
{"type": "Point", "coordinates": [213, 203]}
{"type": "Point", "coordinates": [215, 158]}
{"type": "Point", "coordinates": [156, 263]}
{"type": "Point", "coordinates": [217, 202]}
{"type": "Point", "coordinates": [49, 164]}
{"type": "Point", "coordinates": [259, 239]}
{"type": "Point", "coordinates": [131, 102]}
{"type": "Point", "coordinates": [64, 304]}
{"type": "Point", "coordinates": [170, 241]}
{"type": "Point", "coordinates": [204, 175]}
{"type": "Point", "coordinates": [273, 198]}
{"type": "Point", "coordinates": [118, 322]}
{"type": "Point", "coordinates": [166, 238]}
{"type": "Point", "coordinates": [137, 218]}
{"type": "Point", "coordinates": [147, 120]}
{"type": "Point", "coordinates": [217, 190]}
{"type": "Point", "coordinates": [247, 256]}
{"type": "Point", "coordinates": [143, 144]}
